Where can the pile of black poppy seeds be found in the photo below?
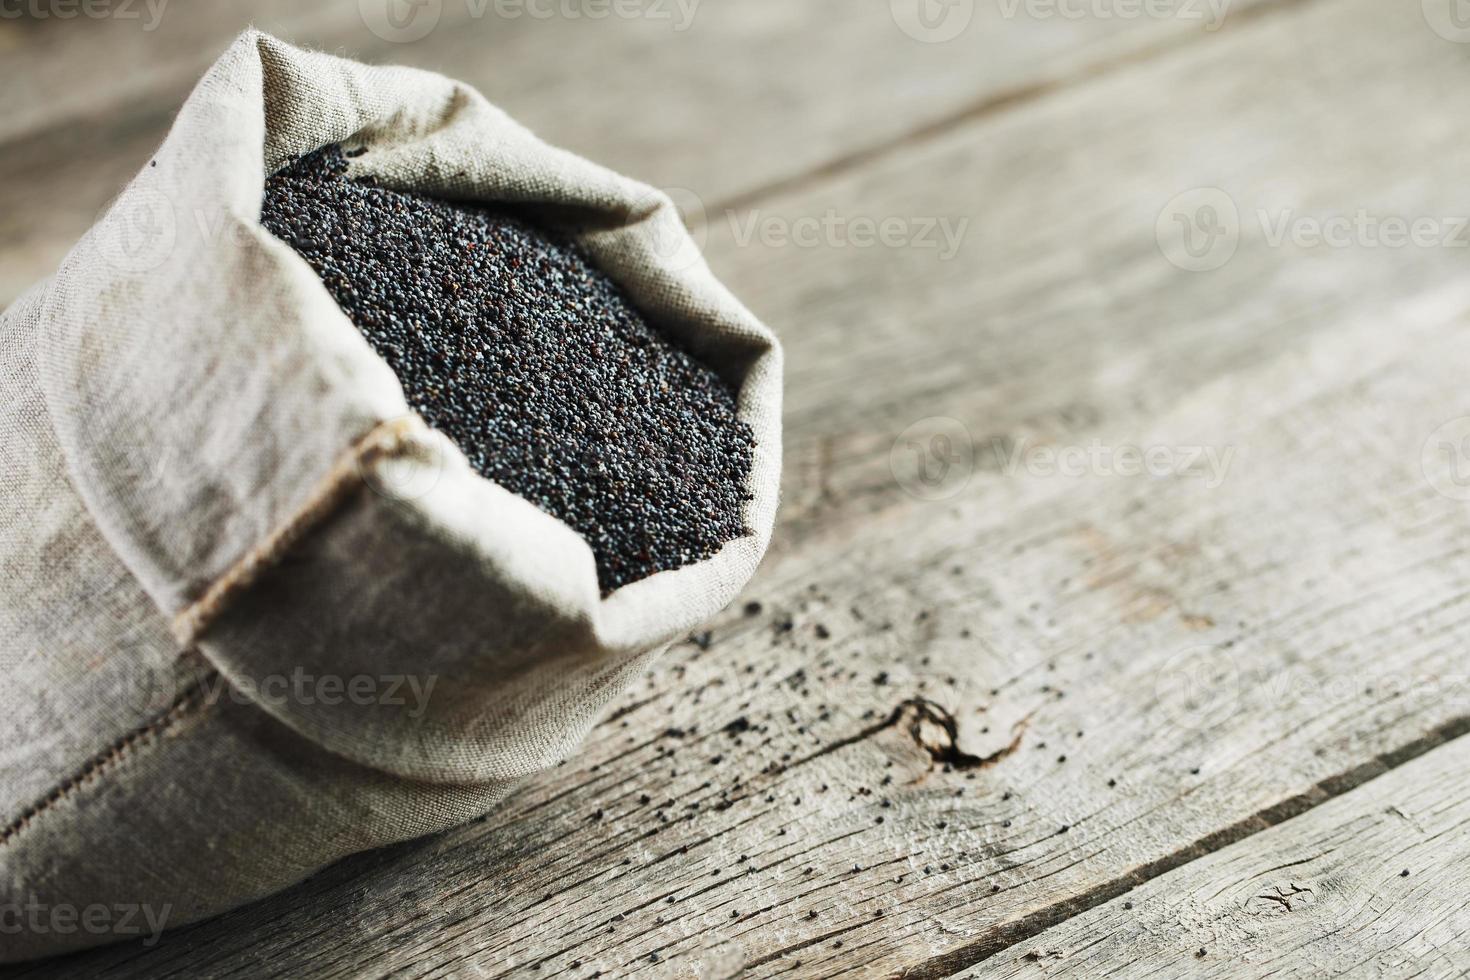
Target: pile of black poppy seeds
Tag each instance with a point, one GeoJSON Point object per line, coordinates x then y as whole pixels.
{"type": "Point", "coordinates": [507, 339]}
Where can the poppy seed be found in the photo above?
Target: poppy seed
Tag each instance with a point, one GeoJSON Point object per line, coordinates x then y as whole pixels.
{"type": "Point", "coordinates": [509, 340]}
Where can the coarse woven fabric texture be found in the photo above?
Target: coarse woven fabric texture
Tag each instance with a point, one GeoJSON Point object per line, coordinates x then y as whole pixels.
{"type": "Point", "coordinates": [254, 615]}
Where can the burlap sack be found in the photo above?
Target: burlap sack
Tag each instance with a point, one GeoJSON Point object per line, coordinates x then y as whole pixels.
{"type": "Point", "coordinates": [255, 617]}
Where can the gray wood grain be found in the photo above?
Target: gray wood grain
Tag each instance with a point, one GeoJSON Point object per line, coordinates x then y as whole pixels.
{"type": "Point", "coordinates": [955, 723]}
{"type": "Point", "coordinates": [1368, 885]}
{"type": "Point", "coordinates": [746, 96]}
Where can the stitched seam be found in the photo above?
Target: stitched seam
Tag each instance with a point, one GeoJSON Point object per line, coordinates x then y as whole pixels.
{"type": "Point", "coordinates": [182, 706]}
{"type": "Point", "coordinates": [347, 475]}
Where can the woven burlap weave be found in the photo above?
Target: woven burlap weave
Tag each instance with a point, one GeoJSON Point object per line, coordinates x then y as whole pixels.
{"type": "Point", "coordinates": [214, 498]}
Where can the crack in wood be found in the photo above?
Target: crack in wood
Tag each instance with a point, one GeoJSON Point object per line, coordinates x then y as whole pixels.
{"type": "Point", "coordinates": [920, 717]}
{"type": "Point", "coordinates": [804, 944]}
{"type": "Point", "coordinates": [1288, 897]}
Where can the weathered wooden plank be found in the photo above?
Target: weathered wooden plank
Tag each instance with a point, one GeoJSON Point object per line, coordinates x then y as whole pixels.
{"type": "Point", "coordinates": [1057, 317]}
{"type": "Point", "coordinates": [972, 843]}
{"type": "Point", "coordinates": [744, 96]}
{"type": "Point", "coordinates": [1370, 884]}
{"type": "Point", "coordinates": [1080, 606]}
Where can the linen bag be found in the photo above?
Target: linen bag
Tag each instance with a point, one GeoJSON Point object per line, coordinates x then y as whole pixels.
{"type": "Point", "coordinates": [254, 615]}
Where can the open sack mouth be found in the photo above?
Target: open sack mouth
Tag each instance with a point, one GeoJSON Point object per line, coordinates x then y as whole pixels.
{"type": "Point", "coordinates": [509, 340]}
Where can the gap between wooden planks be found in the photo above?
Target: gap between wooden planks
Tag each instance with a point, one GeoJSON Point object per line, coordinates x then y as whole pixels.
{"type": "Point", "coordinates": [1367, 885]}
{"type": "Point", "coordinates": [1284, 576]}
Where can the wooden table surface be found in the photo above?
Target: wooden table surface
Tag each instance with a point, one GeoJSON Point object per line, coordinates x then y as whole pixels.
{"type": "Point", "coordinates": [1116, 619]}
